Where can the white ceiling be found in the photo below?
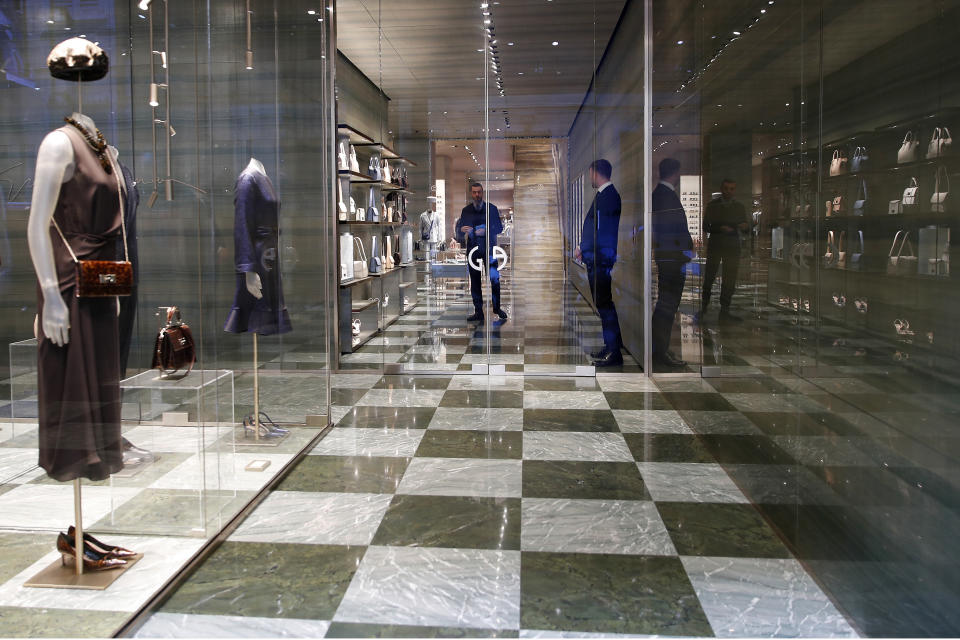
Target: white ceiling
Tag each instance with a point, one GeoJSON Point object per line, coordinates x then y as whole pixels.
{"type": "Point", "coordinates": [423, 53]}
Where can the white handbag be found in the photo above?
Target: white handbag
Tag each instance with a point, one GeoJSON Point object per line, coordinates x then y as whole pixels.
{"type": "Point", "coordinates": [387, 176]}
{"type": "Point", "coordinates": [346, 256]}
{"type": "Point", "coordinates": [341, 205]}
{"type": "Point", "coordinates": [910, 194]}
{"type": "Point", "coordinates": [940, 143]}
{"type": "Point", "coordinates": [360, 269]}
{"type": "Point", "coordinates": [941, 191]}
{"type": "Point", "coordinates": [353, 205]}
{"type": "Point", "coordinates": [343, 162]}
{"type": "Point", "coordinates": [354, 163]}
{"type": "Point", "coordinates": [909, 148]}
{"type": "Point", "coordinates": [388, 257]}
{"type": "Point", "coordinates": [838, 164]}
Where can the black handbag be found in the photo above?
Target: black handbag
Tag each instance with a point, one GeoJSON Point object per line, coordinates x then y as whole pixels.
{"type": "Point", "coordinates": [174, 349]}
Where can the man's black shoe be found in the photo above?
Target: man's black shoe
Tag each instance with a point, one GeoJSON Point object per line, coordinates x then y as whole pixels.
{"type": "Point", "coordinates": [596, 355]}
{"type": "Point", "coordinates": [726, 316]}
{"type": "Point", "coordinates": [500, 313]}
{"type": "Point", "coordinates": [476, 317]}
{"type": "Point", "coordinates": [610, 359]}
{"type": "Point", "coordinates": [667, 359]}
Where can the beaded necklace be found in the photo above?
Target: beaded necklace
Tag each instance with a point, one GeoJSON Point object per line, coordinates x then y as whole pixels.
{"type": "Point", "coordinates": [99, 145]}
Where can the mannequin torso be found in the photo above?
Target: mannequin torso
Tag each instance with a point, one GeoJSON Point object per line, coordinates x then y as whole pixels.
{"type": "Point", "coordinates": [254, 284]}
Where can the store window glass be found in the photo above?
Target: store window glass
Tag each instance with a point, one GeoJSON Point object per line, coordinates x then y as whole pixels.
{"type": "Point", "coordinates": [194, 139]}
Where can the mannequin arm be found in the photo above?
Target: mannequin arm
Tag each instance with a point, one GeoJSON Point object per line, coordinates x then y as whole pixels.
{"type": "Point", "coordinates": [54, 167]}
{"type": "Point", "coordinates": [254, 285]}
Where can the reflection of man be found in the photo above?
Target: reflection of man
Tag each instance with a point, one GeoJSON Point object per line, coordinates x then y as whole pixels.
{"type": "Point", "coordinates": [671, 238]}
{"type": "Point", "coordinates": [598, 250]}
{"type": "Point", "coordinates": [724, 219]}
{"type": "Point", "coordinates": [472, 232]}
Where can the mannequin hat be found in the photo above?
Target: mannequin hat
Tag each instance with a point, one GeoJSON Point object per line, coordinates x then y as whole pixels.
{"type": "Point", "coordinates": [78, 59]}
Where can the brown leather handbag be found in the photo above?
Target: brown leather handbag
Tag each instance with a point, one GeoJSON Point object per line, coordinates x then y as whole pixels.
{"type": "Point", "coordinates": [103, 278]}
{"type": "Point", "coordinates": [174, 348]}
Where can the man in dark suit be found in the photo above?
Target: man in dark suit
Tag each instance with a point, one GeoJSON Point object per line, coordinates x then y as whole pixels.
{"type": "Point", "coordinates": [724, 220]}
{"type": "Point", "coordinates": [671, 238]}
{"type": "Point", "coordinates": [473, 232]}
{"type": "Point", "coordinates": [598, 251]}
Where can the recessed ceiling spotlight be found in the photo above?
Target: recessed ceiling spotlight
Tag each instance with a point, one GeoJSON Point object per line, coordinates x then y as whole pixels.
{"type": "Point", "coordinates": [736, 33]}
{"type": "Point", "coordinates": [311, 12]}
{"type": "Point", "coordinates": [679, 41]}
{"type": "Point", "coordinates": [555, 43]}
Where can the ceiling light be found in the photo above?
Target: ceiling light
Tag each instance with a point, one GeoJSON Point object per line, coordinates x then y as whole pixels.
{"type": "Point", "coordinates": [736, 33]}
{"type": "Point", "coordinates": [311, 12]}
{"type": "Point", "coordinates": [49, 21]}
{"type": "Point", "coordinates": [487, 21]}
{"type": "Point", "coordinates": [679, 41]}
{"type": "Point", "coordinates": [509, 44]}
{"type": "Point", "coordinates": [144, 5]}
{"type": "Point", "coordinates": [555, 43]}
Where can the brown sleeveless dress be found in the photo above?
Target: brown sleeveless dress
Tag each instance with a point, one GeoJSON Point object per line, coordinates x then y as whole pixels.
{"type": "Point", "coordinates": [79, 383]}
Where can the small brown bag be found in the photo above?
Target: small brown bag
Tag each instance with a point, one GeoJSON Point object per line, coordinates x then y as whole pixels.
{"type": "Point", "coordinates": [174, 349]}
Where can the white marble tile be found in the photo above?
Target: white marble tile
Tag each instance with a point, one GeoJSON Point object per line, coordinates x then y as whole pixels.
{"type": "Point", "coordinates": [337, 413]}
{"type": "Point", "coordinates": [564, 400]}
{"type": "Point", "coordinates": [763, 598]}
{"type": "Point", "coordinates": [401, 398]}
{"type": "Point", "coordinates": [593, 526]}
{"type": "Point", "coordinates": [600, 447]}
{"type": "Point", "coordinates": [186, 625]}
{"type": "Point", "coordinates": [354, 380]}
{"type": "Point", "coordinates": [226, 471]}
{"type": "Point", "coordinates": [315, 518]}
{"type": "Point", "coordinates": [463, 477]}
{"type": "Point", "coordinates": [763, 402]}
{"type": "Point", "coordinates": [471, 382]}
{"type": "Point", "coordinates": [467, 588]}
{"type": "Point", "coordinates": [689, 482]}
{"type": "Point", "coordinates": [653, 421]}
{"type": "Point", "coordinates": [431, 366]}
{"type": "Point", "coordinates": [625, 382]}
{"type": "Point", "coordinates": [551, 369]}
{"type": "Point", "coordinates": [472, 419]}
{"type": "Point", "coordinates": [398, 443]}
{"type": "Point", "coordinates": [163, 439]}
{"type": "Point", "coordinates": [50, 506]}
{"type": "Point", "coordinates": [161, 560]}
{"type": "Point", "coordinates": [392, 341]}
{"type": "Point", "coordinates": [19, 466]}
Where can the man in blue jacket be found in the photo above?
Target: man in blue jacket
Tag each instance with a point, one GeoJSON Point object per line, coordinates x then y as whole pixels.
{"type": "Point", "coordinates": [671, 239]}
{"type": "Point", "coordinates": [473, 232]}
{"type": "Point", "coordinates": [598, 251]}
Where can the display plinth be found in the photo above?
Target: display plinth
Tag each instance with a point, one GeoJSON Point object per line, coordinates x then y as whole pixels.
{"type": "Point", "coordinates": [156, 394]}
{"type": "Point", "coordinates": [60, 576]}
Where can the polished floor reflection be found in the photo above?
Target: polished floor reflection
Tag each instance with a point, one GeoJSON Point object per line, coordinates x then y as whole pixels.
{"type": "Point", "coordinates": [512, 506]}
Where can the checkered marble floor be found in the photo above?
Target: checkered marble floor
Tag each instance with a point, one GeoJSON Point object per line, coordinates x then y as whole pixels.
{"type": "Point", "coordinates": [472, 506]}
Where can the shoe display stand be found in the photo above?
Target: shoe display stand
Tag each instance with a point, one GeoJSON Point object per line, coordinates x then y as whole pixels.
{"type": "Point", "coordinates": [63, 576]}
{"type": "Point", "coordinates": [377, 300]}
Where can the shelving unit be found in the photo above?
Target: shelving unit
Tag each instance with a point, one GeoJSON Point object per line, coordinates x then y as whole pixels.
{"type": "Point", "coordinates": [378, 299]}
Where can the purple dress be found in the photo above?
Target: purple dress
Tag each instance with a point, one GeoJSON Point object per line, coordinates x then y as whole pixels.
{"type": "Point", "coordinates": [256, 236]}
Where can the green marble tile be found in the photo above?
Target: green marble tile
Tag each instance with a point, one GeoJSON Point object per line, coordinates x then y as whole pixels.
{"type": "Point", "coordinates": [748, 385]}
{"type": "Point", "coordinates": [356, 630]}
{"type": "Point", "coordinates": [388, 417]}
{"type": "Point", "coordinates": [173, 511]}
{"type": "Point", "coordinates": [413, 382]}
{"type": "Point", "coordinates": [20, 551]}
{"type": "Point", "coordinates": [633, 401]}
{"type": "Point", "coordinates": [345, 474]}
{"type": "Point", "coordinates": [451, 521]}
{"type": "Point", "coordinates": [30, 622]}
{"type": "Point", "coordinates": [726, 530]}
{"type": "Point", "coordinates": [587, 480]}
{"type": "Point", "coordinates": [610, 594]}
{"type": "Point", "coordinates": [801, 424]}
{"type": "Point", "coordinates": [560, 384]}
{"type": "Point", "coordinates": [269, 580]}
{"type": "Point", "coordinates": [569, 420]}
{"type": "Point", "coordinates": [727, 449]}
{"type": "Point", "coordinates": [478, 398]}
{"type": "Point", "coordinates": [437, 443]}
{"type": "Point", "coordinates": [667, 447]}
{"type": "Point", "coordinates": [346, 397]}
{"type": "Point", "coordinates": [698, 401]}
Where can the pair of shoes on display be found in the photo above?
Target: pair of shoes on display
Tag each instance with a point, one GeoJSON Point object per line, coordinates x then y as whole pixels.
{"type": "Point", "coordinates": [134, 456]}
{"type": "Point", "coordinates": [609, 358]}
{"type": "Point", "coordinates": [667, 359]}
{"type": "Point", "coordinates": [268, 428]}
{"type": "Point", "coordinates": [97, 556]}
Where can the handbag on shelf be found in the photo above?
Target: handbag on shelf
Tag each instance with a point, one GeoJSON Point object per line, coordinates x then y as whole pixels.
{"type": "Point", "coordinates": [910, 194]}
{"type": "Point", "coordinates": [940, 143]}
{"type": "Point", "coordinates": [838, 205]}
{"type": "Point", "coordinates": [343, 161]}
{"type": "Point", "coordinates": [388, 254]}
{"type": "Point", "coordinates": [341, 205]}
{"type": "Point", "coordinates": [353, 206]}
{"type": "Point", "coordinates": [103, 278]}
{"type": "Point", "coordinates": [346, 257]}
{"type": "Point", "coordinates": [908, 149]}
{"type": "Point", "coordinates": [830, 257]}
{"type": "Point", "coordinates": [860, 159]}
{"type": "Point", "coordinates": [376, 262]}
{"type": "Point", "coordinates": [860, 204]}
{"type": "Point", "coordinates": [360, 265]}
{"type": "Point", "coordinates": [941, 191]}
{"type": "Point", "coordinates": [174, 349]}
{"type": "Point", "coordinates": [894, 207]}
{"type": "Point", "coordinates": [354, 163]}
{"type": "Point", "coordinates": [373, 167]}
{"type": "Point", "coordinates": [387, 174]}
{"type": "Point", "coordinates": [898, 263]}
{"type": "Point", "coordinates": [856, 259]}
{"type": "Point", "coordinates": [373, 211]}
{"type": "Point", "coordinates": [828, 211]}
{"type": "Point", "coordinates": [838, 164]}
{"type": "Point", "coordinates": [841, 262]}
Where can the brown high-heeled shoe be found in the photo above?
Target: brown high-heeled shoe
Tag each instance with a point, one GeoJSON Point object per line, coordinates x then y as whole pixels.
{"type": "Point", "coordinates": [92, 561]}
{"type": "Point", "coordinates": [108, 550]}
